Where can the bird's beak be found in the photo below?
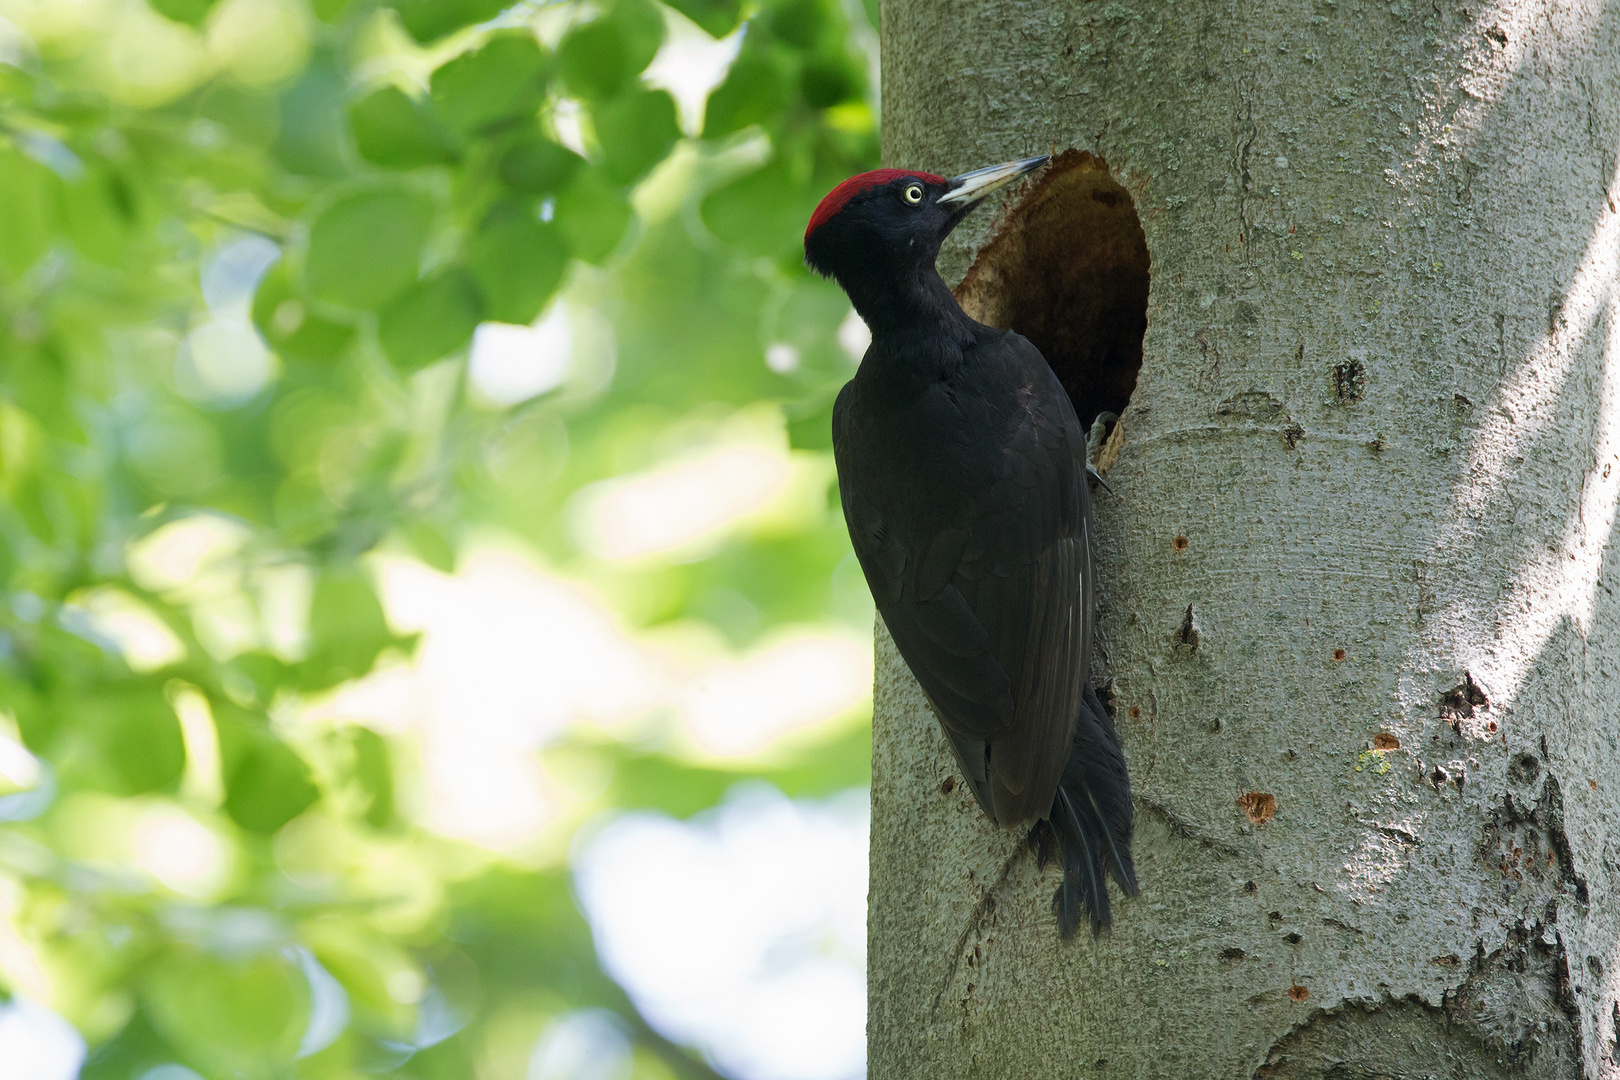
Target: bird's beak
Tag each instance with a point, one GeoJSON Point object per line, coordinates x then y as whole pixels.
{"type": "Point", "coordinates": [970, 187]}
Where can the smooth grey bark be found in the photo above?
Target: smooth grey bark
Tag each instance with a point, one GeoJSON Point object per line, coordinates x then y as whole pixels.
{"type": "Point", "coordinates": [1380, 408]}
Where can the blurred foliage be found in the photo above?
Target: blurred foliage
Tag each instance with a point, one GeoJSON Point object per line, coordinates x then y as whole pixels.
{"type": "Point", "coordinates": [383, 177]}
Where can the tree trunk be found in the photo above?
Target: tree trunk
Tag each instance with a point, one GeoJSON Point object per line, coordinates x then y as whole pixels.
{"type": "Point", "coordinates": [1357, 610]}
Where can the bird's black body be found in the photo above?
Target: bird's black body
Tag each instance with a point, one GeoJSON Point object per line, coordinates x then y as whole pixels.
{"type": "Point", "coordinates": [962, 470]}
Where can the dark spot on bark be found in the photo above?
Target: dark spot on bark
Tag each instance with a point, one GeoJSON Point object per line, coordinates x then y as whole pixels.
{"type": "Point", "coordinates": [1298, 993]}
{"type": "Point", "coordinates": [1136, 712]}
{"type": "Point", "coordinates": [948, 786]}
{"type": "Point", "coordinates": [1399, 835]}
{"type": "Point", "coordinates": [1497, 34]}
{"type": "Point", "coordinates": [1179, 543]}
{"type": "Point", "coordinates": [1385, 741]}
{"type": "Point", "coordinates": [1339, 654]}
{"type": "Point", "coordinates": [1463, 700]}
{"type": "Point", "coordinates": [1439, 777]}
{"type": "Point", "coordinates": [1232, 955]}
{"type": "Point", "coordinates": [1448, 960]}
{"type": "Point", "coordinates": [1258, 806]}
{"type": "Point", "coordinates": [1490, 726]}
{"type": "Point", "coordinates": [1069, 270]}
{"type": "Point", "coordinates": [1293, 938]}
{"type": "Point", "coordinates": [1187, 635]}
{"type": "Point", "coordinates": [1275, 916]}
{"type": "Point", "coordinates": [1523, 769]}
{"type": "Point", "coordinates": [1293, 434]}
{"type": "Point", "coordinates": [1462, 402]}
{"type": "Point", "coordinates": [1526, 844]}
{"type": "Point", "coordinates": [1349, 380]}
{"type": "Point", "coordinates": [1256, 405]}
{"type": "Point", "coordinates": [1215, 726]}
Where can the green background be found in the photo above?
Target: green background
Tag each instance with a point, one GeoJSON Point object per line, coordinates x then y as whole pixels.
{"type": "Point", "coordinates": [404, 167]}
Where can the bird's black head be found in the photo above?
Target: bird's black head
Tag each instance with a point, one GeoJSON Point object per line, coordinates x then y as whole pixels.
{"type": "Point", "coordinates": [878, 233]}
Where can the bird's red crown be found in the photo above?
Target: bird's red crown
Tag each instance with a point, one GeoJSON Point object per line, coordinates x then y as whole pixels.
{"type": "Point", "coordinates": [838, 196]}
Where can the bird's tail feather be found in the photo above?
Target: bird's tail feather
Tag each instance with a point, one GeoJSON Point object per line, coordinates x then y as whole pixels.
{"type": "Point", "coordinates": [1091, 818]}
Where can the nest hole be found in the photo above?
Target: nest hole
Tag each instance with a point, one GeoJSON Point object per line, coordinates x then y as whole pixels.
{"type": "Point", "coordinates": [1068, 269]}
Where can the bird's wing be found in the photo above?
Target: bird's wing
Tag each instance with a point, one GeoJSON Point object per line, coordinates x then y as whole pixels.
{"type": "Point", "coordinates": [982, 575]}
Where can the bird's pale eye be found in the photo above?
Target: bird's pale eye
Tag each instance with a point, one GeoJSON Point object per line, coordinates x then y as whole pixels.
{"type": "Point", "coordinates": [914, 194]}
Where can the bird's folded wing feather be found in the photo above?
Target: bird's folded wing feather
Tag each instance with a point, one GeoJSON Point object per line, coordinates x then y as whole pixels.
{"type": "Point", "coordinates": [986, 595]}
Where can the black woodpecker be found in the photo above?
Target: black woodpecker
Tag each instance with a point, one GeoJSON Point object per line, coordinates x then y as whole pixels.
{"type": "Point", "coordinates": [962, 468]}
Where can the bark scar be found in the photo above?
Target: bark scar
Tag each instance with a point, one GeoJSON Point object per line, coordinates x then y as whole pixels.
{"type": "Point", "coordinates": [983, 911]}
{"type": "Point", "coordinates": [1187, 831]}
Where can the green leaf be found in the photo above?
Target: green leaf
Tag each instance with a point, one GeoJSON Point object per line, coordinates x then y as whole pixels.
{"type": "Point", "coordinates": [375, 775]}
{"type": "Point", "coordinates": [138, 739]}
{"type": "Point", "coordinates": [252, 118]}
{"type": "Point", "coordinates": [395, 130]}
{"type": "Point", "coordinates": [255, 676]}
{"type": "Point", "coordinates": [190, 12]}
{"type": "Point", "coordinates": [636, 130]}
{"type": "Point", "coordinates": [501, 81]}
{"type": "Point", "coordinates": [432, 318]}
{"type": "Point", "coordinates": [535, 165]}
{"type": "Point", "coordinates": [829, 80]}
{"type": "Point", "coordinates": [311, 135]}
{"type": "Point", "coordinates": [427, 20]}
{"type": "Point", "coordinates": [717, 17]}
{"type": "Point", "coordinates": [99, 211]}
{"type": "Point", "coordinates": [347, 628]}
{"type": "Point", "coordinates": [239, 1017]}
{"type": "Point", "coordinates": [809, 425]}
{"type": "Point", "coordinates": [27, 200]}
{"type": "Point", "coordinates": [518, 261]}
{"type": "Point", "coordinates": [364, 249]}
{"type": "Point", "coordinates": [591, 60]}
{"type": "Point", "coordinates": [761, 213]}
{"type": "Point", "coordinates": [176, 451]}
{"type": "Point", "coordinates": [287, 324]}
{"type": "Point", "coordinates": [599, 58]}
{"type": "Point", "coordinates": [266, 783]}
{"type": "Point", "coordinates": [431, 545]}
{"type": "Point", "coordinates": [754, 91]}
{"type": "Point", "coordinates": [804, 23]}
{"type": "Point", "coordinates": [592, 214]}
{"type": "Point", "coordinates": [641, 27]}
{"type": "Point", "coordinates": [329, 11]}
